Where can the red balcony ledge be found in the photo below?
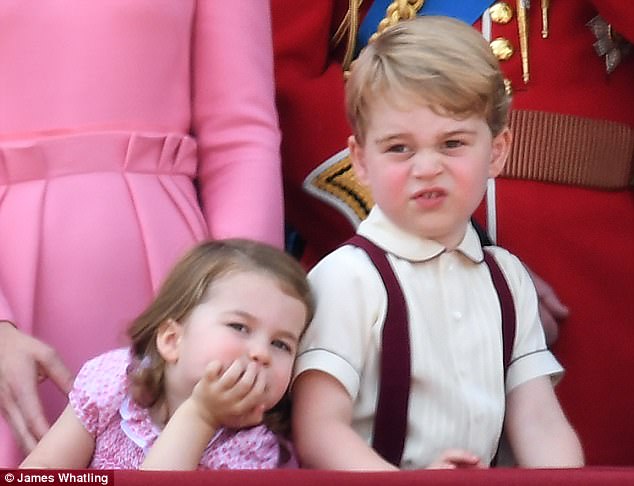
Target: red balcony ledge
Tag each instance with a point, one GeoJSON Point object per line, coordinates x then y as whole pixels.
{"type": "Point", "coordinates": [592, 475]}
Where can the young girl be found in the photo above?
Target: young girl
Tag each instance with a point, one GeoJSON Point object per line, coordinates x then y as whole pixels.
{"type": "Point", "coordinates": [130, 130]}
{"type": "Point", "coordinates": [209, 357]}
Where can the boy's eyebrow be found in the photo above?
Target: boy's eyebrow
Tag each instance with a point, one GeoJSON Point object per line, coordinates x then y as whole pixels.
{"type": "Point", "coordinates": [462, 131]}
{"type": "Point", "coordinates": [388, 138]}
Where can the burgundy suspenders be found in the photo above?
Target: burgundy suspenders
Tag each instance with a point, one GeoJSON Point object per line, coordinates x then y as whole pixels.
{"type": "Point", "coordinates": [390, 423]}
{"type": "Point", "coordinates": [507, 308]}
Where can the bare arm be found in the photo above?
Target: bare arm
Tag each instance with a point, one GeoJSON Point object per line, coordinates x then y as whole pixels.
{"type": "Point", "coordinates": [538, 431]}
{"type": "Point", "coordinates": [322, 417]}
{"type": "Point", "coordinates": [232, 398]}
{"type": "Point", "coordinates": [23, 362]}
{"type": "Point", "coordinates": [66, 445]}
{"type": "Point", "coordinates": [182, 442]}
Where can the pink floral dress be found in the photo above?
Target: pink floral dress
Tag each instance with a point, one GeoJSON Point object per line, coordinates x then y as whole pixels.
{"type": "Point", "coordinates": [124, 431]}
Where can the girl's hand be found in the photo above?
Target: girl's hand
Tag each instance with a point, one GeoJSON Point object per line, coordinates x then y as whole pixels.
{"type": "Point", "coordinates": [457, 458]}
{"type": "Point", "coordinates": [222, 398]}
{"type": "Point", "coordinates": [232, 398]}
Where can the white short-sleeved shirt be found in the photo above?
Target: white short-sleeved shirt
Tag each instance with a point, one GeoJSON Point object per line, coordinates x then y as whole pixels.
{"type": "Point", "coordinates": [457, 394]}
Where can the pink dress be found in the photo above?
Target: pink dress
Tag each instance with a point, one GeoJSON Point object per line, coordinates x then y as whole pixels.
{"type": "Point", "coordinates": [124, 431]}
{"type": "Point", "coordinates": [119, 120]}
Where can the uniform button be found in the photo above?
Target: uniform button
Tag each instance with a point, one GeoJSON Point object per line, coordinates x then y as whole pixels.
{"type": "Point", "coordinates": [501, 13]}
{"type": "Point", "coordinates": [457, 315]}
{"type": "Point", "coordinates": [502, 48]}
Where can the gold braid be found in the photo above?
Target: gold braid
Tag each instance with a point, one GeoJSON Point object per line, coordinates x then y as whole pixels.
{"type": "Point", "coordinates": [396, 11]}
{"type": "Point", "coordinates": [352, 34]}
{"type": "Point", "coordinates": [349, 25]}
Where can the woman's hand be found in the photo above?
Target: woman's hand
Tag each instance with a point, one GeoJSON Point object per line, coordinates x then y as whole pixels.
{"type": "Point", "coordinates": [551, 309]}
{"type": "Point", "coordinates": [24, 362]}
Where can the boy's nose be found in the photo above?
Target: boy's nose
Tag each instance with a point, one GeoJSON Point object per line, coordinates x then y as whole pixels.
{"type": "Point", "coordinates": [426, 165]}
{"type": "Point", "coordinates": [260, 352]}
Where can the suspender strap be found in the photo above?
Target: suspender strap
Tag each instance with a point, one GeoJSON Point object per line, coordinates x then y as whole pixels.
{"type": "Point", "coordinates": [507, 308]}
{"type": "Point", "coordinates": [390, 423]}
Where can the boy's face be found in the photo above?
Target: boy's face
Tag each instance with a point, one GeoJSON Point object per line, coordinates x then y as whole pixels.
{"type": "Point", "coordinates": [428, 172]}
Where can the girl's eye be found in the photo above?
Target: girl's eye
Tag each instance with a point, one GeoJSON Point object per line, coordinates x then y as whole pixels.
{"type": "Point", "coordinates": [237, 326]}
{"type": "Point", "coordinates": [279, 344]}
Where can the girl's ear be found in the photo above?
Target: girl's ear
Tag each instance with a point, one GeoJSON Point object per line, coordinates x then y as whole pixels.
{"type": "Point", "coordinates": [358, 160]}
{"type": "Point", "coordinates": [501, 148]}
{"type": "Point", "coordinates": [168, 340]}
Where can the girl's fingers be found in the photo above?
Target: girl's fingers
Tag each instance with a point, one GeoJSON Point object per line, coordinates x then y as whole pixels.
{"type": "Point", "coordinates": [213, 370]}
{"type": "Point", "coordinates": [238, 393]}
{"type": "Point", "coordinates": [249, 392]}
{"type": "Point", "coordinates": [253, 392]}
{"type": "Point", "coordinates": [259, 386]}
{"type": "Point", "coordinates": [234, 373]}
{"type": "Point", "coordinates": [239, 380]}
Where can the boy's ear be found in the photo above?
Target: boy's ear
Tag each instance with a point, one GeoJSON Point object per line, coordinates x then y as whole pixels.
{"type": "Point", "coordinates": [501, 148]}
{"type": "Point", "coordinates": [358, 160]}
{"type": "Point", "coordinates": [168, 340]}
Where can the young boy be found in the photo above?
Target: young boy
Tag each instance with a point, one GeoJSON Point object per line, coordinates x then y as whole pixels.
{"type": "Point", "coordinates": [428, 108]}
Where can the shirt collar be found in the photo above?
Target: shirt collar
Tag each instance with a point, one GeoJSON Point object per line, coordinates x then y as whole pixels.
{"type": "Point", "coordinates": [383, 232]}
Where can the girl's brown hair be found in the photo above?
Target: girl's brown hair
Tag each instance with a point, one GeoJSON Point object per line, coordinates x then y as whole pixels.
{"type": "Point", "coordinates": [184, 288]}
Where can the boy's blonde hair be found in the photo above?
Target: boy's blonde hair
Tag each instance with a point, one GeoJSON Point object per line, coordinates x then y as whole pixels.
{"type": "Point", "coordinates": [431, 60]}
{"type": "Point", "coordinates": [185, 287]}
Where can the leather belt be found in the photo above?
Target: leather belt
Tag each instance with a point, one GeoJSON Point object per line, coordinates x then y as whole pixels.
{"type": "Point", "coordinates": [573, 150]}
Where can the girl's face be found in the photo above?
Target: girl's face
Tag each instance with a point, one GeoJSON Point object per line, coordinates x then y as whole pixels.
{"type": "Point", "coordinates": [428, 172]}
{"type": "Point", "coordinates": [243, 315]}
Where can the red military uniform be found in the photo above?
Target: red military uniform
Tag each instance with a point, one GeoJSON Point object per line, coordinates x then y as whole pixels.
{"type": "Point", "coordinates": [571, 221]}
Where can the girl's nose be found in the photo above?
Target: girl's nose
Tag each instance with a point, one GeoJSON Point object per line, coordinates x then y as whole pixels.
{"type": "Point", "coordinates": [260, 352]}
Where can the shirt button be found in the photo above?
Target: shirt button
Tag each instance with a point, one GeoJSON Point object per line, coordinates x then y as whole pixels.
{"type": "Point", "coordinates": [457, 315]}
